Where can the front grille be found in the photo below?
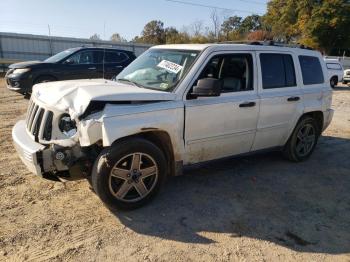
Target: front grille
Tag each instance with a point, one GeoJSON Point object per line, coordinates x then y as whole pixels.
{"type": "Point", "coordinates": [39, 122]}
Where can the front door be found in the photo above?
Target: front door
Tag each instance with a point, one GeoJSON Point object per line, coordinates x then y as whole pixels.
{"type": "Point", "coordinates": [83, 65]}
{"type": "Point", "coordinates": [280, 99]}
{"type": "Point", "coordinates": [217, 127]}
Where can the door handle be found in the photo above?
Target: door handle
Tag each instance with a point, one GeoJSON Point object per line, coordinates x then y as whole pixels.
{"type": "Point", "coordinates": [119, 67]}
{"type": "Point", "coordinates": [92, 68]}
{"type": "Point", "coordinates": [293, 98]}
{"type": "Point", "coordinates": [247, 104]}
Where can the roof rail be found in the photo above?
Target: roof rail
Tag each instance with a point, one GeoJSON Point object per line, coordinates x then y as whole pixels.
{"type": "Point", "coordinates": [268, 43]}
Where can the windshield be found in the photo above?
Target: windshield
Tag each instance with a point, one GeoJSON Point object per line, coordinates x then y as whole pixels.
{"type": "Point", "coordinates": [159, 69]}
{"type": "Point", "coordinates": [60, 55]}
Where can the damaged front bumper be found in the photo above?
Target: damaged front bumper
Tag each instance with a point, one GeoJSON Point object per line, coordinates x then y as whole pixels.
{"type": "Point", "coordinates": [28, 150]}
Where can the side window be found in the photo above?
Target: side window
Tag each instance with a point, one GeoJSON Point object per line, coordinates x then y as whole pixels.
{"type": "Point", "coordinates": [82, 57]}
{"type": "Point", "coordinates": [98, 57]}
{"type": "Point", "coordinates": [277, 70]}
{"type": "Point", "coordinates": [334, 66]}
{"type": "Point", "coordinates": [235, 71]}
{"type": "Point", "coordinates": [115, 57]}
{"type": "Point", "coordinates": [311, 70]}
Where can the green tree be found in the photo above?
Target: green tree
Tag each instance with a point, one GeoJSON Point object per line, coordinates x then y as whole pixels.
{"type": "Point", "coordinates": [230, 25]}
{"type": "Point", "coordinates": [251, 23]}
{"type": "Point", "coordinates": [319, 24]}
{"type": "Point", "coordinates": [95, 37]}
{"type": "Point", "coordinates": [153, 33]}
{"type": "Point", "coordinates": [173, 36]}
{"type": "Point", "coordinates": [117, 38]}
{"type": "Point", "coordinates": [329, 26]}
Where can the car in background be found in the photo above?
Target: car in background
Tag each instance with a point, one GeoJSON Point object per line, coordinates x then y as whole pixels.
{"type": "Point", "coordinates": [346, 77]}
{"type": "Point", "coordinates": [335, 71]}
{"type": "Point", "coordinates": [73, 63]}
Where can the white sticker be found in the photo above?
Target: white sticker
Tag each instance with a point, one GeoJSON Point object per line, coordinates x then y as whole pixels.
{"type": "Point", "coordinates": [170, 66]}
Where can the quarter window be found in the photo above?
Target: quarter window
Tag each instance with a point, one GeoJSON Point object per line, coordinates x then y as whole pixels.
{"type": "Point", "coordinates": [311, 70]}
{"type": "Point", "coordinates": [277, 70]}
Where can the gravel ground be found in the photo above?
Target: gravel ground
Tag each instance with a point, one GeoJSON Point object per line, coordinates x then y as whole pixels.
{"type": "Point", "coordinates": [255, 208]}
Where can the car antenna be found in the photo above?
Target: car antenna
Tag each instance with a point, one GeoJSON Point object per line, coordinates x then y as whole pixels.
{"type": "Point", "coordinates": [103, 63]}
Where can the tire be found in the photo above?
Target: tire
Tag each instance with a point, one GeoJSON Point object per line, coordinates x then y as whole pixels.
{"type": "Point", "coordinates": [299, 139]}
{"type": "Point", "coordinates": [129, 186]}
{"type": "Point", "coordinates": [334, 81]}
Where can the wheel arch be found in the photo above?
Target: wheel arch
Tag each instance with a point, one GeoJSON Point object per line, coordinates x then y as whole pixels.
{"type": "Point", "coordinates": [44, 75]}
{"type": "Point", "coordinates": [162, 140]}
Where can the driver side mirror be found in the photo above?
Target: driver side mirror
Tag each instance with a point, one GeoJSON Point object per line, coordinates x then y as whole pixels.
{"type": "Point", "coordinates": [207, 87]}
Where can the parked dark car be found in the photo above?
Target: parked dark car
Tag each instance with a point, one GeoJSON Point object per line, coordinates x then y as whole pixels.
{"type": "Point", "coordinates": [73, 63]}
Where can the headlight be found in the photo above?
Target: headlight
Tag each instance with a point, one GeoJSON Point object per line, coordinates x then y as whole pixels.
{"type": "Point", "coordinates": [67, 125]}
{"type": "Point", "coordinates": [20, 71]}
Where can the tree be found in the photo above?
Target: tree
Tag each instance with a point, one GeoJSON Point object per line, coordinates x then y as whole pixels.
{"type": "Point", "coordinates": [197, 27]}
{"type": "Point", "coordinates": [260, 35]}
{"type": "Point", "coordinates": [329, 26]}
{"type": "Point", "coordinates": [215, 19]}
{"type": "Point", "coordinates": [251, 23]}
{"type": "Point", "coordinates": [153, 33]}
{"type": "Point", "coordinates": [117, 38]}
{"type": "Point", "coordinates": [319, 24]}
{"type": "Point", "coordinates": [230, 25]}
{"type": "Point", "coordinates": [95, 37]}
{"type": "Point", "coordinates": [173, 36]}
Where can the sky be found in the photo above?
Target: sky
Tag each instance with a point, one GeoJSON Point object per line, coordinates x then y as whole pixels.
{"type": "Point", "coordinates": [79, 18]}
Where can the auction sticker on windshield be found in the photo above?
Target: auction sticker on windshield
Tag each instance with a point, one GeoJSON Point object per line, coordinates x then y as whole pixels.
{"type": "Point", "coordinates": [170, 66]}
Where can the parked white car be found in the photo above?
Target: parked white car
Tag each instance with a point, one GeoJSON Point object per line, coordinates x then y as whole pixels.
{"type": "Point", "coordinates": [346, 77]}
{"type": "Point", "coordinates": [335, 71]}
{"type": "Point", "coordinates": [174, 106]}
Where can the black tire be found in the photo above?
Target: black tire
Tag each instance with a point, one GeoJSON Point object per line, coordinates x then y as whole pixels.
{"type": "Point", "coordinates": [292, 149]}
{"type": "Point", "coordinates": [117, 158]}
{"type": "Point", "coordinates": [334, 81]}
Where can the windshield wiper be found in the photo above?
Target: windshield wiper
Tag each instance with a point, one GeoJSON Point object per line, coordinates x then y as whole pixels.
{"type": "Point", "coordinates": [129, 81]}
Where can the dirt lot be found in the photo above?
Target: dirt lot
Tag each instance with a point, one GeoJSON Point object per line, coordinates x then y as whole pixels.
{"type": "Point", "coordinates": [253, 208]}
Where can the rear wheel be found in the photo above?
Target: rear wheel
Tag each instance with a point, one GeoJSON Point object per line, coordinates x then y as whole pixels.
{"type": "Point", "coordinates": [303, 140]}
{"type": "Point", "coordinates": [129, 174]}
{"type": "Point", "coordinates": [334, 81]}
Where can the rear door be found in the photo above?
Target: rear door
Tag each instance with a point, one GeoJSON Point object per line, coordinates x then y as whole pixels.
{"type": "Point", "coordinates": [115, 62]}
{"type": "Point", "coordinates": [84, 64]}
{"type": "Point", "coordinates": [281, 99]}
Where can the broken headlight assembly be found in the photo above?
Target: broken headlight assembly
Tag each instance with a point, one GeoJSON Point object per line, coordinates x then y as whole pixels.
{"type": "Point", "coordinates": [67, 125]}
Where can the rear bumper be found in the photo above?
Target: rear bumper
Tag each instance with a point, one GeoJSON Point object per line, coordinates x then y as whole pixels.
{"type": "Point", "coordinates": [327, 118]}
{"type": "Point", "coordinates": [27, 149]}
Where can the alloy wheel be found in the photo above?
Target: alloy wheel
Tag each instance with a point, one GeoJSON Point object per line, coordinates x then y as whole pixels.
{"type": "Point", "coordinates": [133, 177]}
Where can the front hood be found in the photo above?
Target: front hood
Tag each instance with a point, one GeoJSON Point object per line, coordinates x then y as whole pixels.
{"type": "Point", "coordinates": [24, 64]}
{"type": "Point", "coordinates": [74, 96]}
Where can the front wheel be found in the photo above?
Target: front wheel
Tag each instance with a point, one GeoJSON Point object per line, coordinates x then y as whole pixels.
{"type": "Point", "coordinates": [303, 140]}
{"type": "Point", "coordinates": [129, 174]}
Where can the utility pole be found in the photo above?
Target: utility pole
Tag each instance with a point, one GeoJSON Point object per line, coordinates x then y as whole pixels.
{"type": "Point", "coordinates": [50, 41]}
{"type": "Point", "coordinates": [104, 30]}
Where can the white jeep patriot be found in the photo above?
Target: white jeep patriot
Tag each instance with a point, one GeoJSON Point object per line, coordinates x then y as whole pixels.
{"type": "Point", "coordinates": [175, 105]}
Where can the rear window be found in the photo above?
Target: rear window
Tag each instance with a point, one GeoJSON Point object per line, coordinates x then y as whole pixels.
{"type": "Point", "coordinates": [277, 70]}
{"type": "Point", "coordinates": [115, 57]}
{"type": "Point", "coordinates": [311, 70]}
{"type": "Point", "coordinates": [334, 66]}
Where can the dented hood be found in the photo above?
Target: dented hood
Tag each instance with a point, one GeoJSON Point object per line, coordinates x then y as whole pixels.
{"type": "Point", "coordinates": [74, 96]}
